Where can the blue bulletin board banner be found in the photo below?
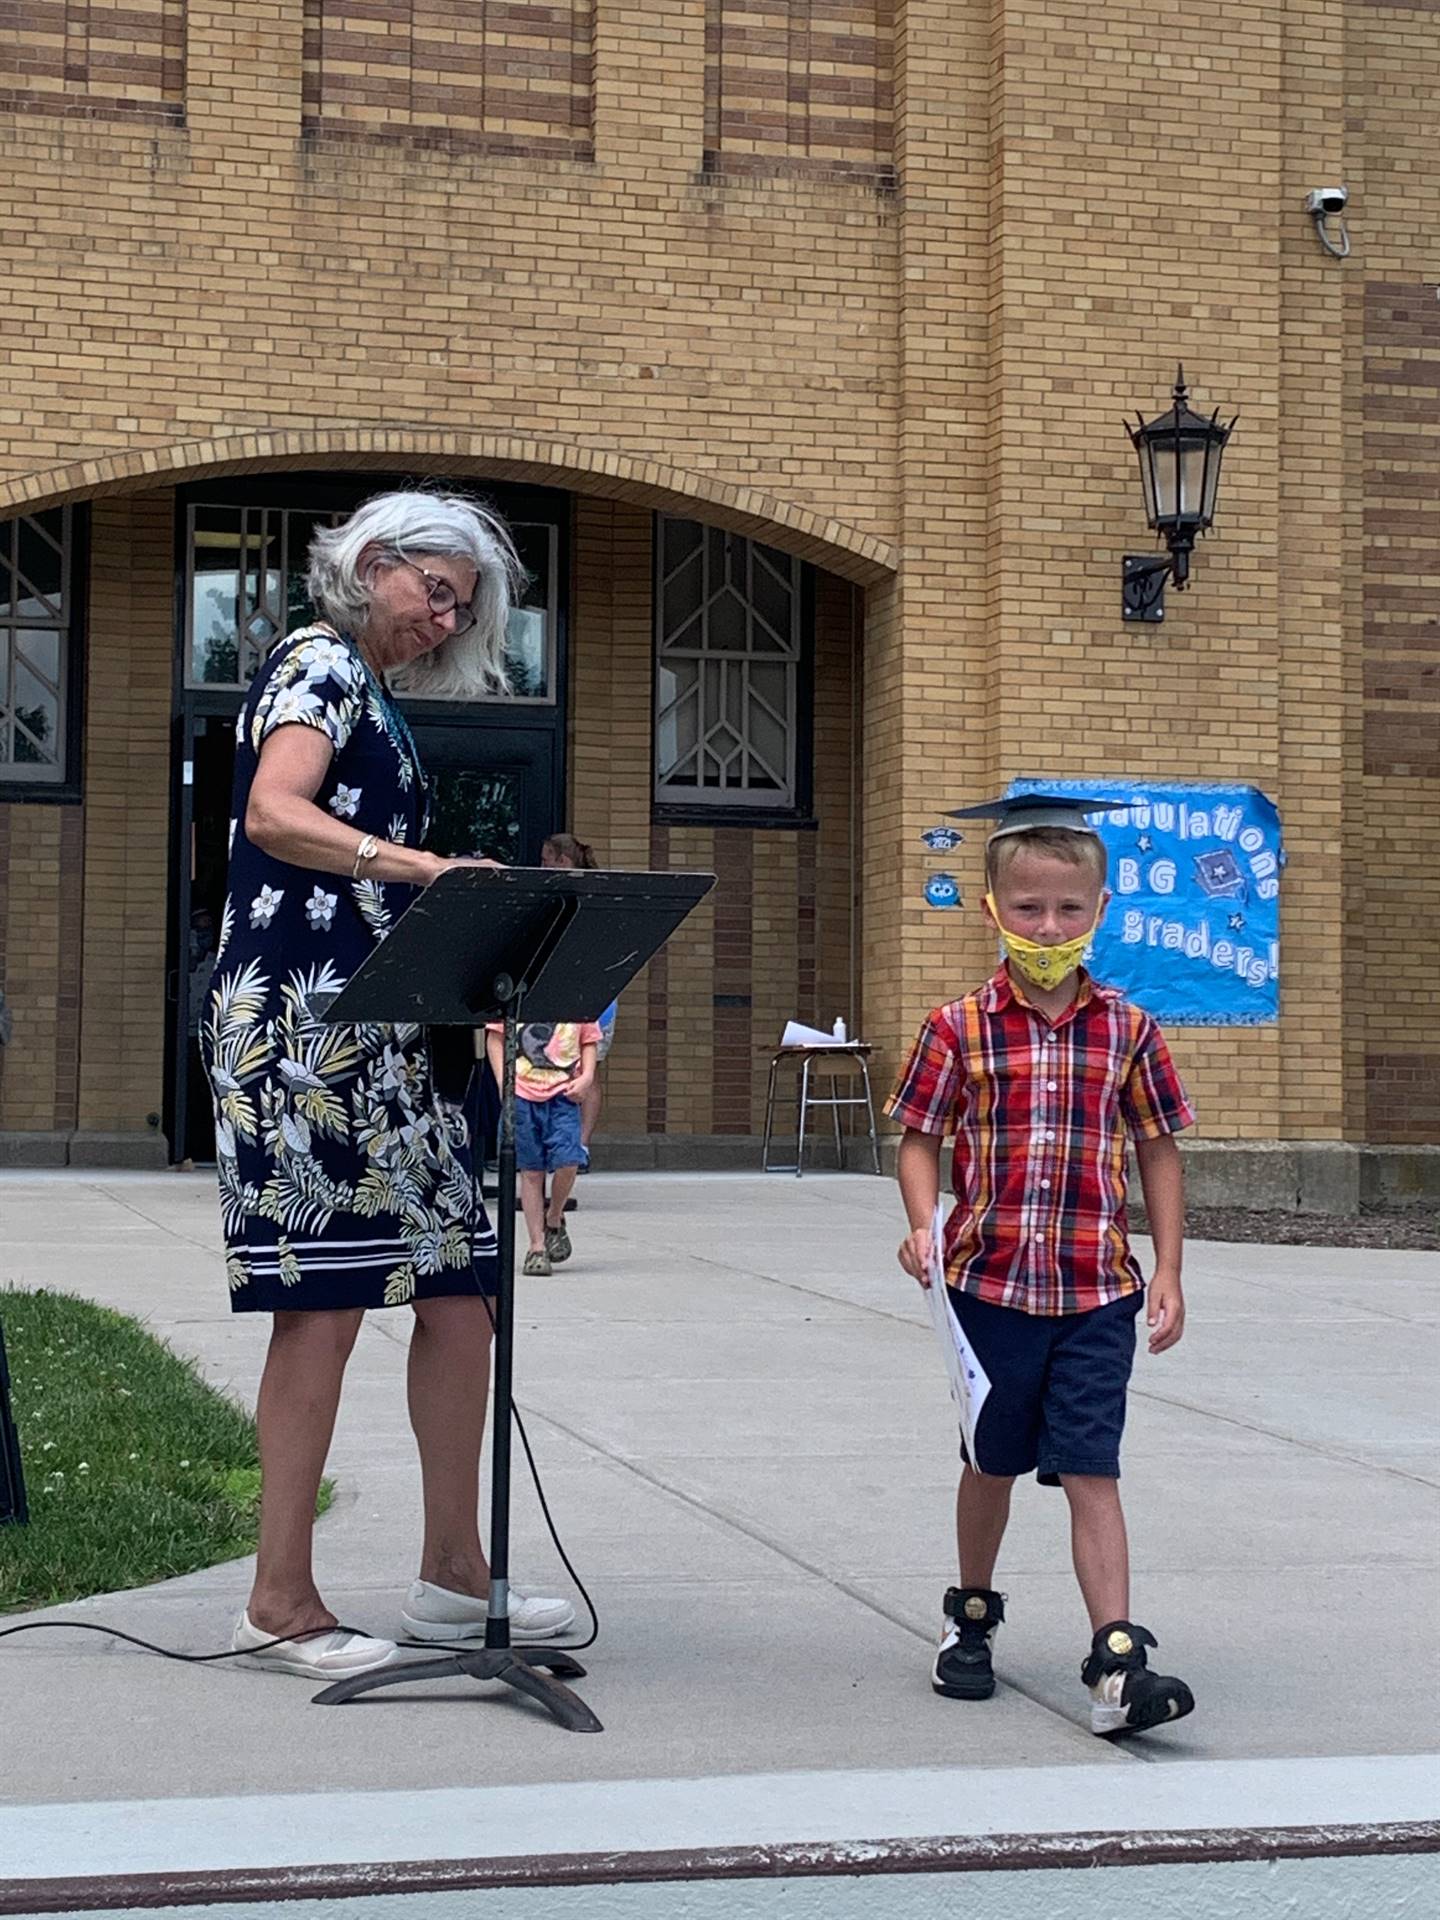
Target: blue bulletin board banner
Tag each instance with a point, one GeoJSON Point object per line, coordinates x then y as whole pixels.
{"type": "Point", "coordinates": [1192, 932]}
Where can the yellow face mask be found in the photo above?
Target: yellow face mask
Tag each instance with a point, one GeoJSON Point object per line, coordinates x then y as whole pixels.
{"type": "Point", "coordinates": [1043, 967]}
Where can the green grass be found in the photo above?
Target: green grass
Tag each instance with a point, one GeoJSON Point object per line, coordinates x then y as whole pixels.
{"type": "Point", "coordinates": [135, 1469]}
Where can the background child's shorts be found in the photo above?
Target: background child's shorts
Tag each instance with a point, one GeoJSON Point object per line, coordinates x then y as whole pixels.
{"type": "Point", "coordinates": [1057, 1386]}
{"type": "Point", "coordinates": [547, 1135]}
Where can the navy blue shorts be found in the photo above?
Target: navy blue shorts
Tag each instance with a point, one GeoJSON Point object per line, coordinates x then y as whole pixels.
{"type": "Point", "coordinates": [1057, 1386]}
{"type": "Point", "coordinates": [547, 1135]}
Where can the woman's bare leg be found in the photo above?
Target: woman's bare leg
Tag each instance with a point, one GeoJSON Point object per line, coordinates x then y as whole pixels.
{"type": "Point", "coordinates": [449, 1385]}
{"type": "Point", "coordinates": [295, 1415]}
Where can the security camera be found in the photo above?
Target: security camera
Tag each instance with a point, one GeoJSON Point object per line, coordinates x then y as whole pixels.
{"type": "Point", "coordinates": [1324, 205]}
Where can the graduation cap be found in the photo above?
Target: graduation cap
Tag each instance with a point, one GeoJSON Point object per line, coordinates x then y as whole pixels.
{"type": "Point", "coordinates": [1019, 812]}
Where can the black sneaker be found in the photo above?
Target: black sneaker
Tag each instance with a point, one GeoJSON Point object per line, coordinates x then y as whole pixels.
{"type": "Point", "coordinates": [1125, 1697]}
{"type": "Point", "coordinates": [962, 1666]}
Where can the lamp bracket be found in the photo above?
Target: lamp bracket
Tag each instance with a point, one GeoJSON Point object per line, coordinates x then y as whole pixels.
{"type": "Point", "coordinates": [1142, 586]}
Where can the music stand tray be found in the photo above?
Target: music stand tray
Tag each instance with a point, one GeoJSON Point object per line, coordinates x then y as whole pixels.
{"type": "Point", "coordinates": [508, 944]}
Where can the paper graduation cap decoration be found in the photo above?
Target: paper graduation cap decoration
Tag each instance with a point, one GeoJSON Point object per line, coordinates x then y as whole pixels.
{"type": "Point", "coordinates": [1019, 812]}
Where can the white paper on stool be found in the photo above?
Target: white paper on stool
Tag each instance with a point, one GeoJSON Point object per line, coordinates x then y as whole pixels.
{"type": "Point", "coordinates": [796, 1035]}
{"type": "Point", "coordinates": [969, 1382]}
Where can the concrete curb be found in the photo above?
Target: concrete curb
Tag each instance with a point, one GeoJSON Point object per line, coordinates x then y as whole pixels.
{"type": "Point", "coordinates": [941, 1854]}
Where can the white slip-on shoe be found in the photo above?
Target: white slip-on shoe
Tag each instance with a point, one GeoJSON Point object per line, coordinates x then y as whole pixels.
{"type": "Point", "coordinates": [323, 1656]}
{"type": "Point", "coordinates": [434, 1614]}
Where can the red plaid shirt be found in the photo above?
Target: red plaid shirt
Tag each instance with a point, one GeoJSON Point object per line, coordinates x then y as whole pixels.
{"type": "Point", "coordinates": [1040, 1116]}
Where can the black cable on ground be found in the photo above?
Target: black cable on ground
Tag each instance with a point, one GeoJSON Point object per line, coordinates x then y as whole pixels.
{"type": "Point", "coordinates": [169, 1653]}
{"type": "Point", "coordinates": [459, 1646]}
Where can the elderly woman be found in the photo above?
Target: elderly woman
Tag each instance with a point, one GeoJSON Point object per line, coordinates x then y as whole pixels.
{"type": "Point", "coordinates": [346, 1181]}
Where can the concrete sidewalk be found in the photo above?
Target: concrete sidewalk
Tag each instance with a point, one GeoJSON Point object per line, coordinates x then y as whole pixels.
{"type": "Point", "coordinates": [750, 1454]}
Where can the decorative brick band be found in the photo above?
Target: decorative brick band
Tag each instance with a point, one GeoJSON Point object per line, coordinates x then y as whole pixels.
{"type": "Point", "coordinates": [513, 73]}
{"type": "Point", "coordinates": [826, 542]}
{"type": "Point", "coordinates": [97, 63]}
{"type": "Point", "coordinates": [809, 85]}
{"type": "Point", "coordinates": [1402, 529]}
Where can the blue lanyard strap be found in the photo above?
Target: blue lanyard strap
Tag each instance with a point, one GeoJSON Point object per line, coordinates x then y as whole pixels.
{"type": "Point", "coordinates": [392, 708]}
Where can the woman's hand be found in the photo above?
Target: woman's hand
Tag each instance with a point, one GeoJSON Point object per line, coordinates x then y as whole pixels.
{"type": "Point", "coordinates": [443, 864]}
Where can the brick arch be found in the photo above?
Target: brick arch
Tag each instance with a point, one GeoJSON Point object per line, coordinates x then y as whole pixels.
{"type": "Point", "coordinates": [834, 544]}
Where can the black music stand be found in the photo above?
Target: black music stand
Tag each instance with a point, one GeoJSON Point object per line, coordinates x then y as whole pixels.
{"type": "Point", "coordinates": [485, 944]}
{"type": "Point", "coordinates": [12, 1477]}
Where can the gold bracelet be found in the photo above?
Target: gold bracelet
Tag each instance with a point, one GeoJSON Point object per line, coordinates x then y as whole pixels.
{"type": "Point", "coordinates": [367, 850]}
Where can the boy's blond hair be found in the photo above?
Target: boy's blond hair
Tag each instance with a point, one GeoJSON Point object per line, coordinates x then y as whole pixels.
{"type": "Point", "coordinates": [1076, 849]}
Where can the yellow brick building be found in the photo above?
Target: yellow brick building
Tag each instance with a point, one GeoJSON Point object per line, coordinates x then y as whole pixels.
{"type": "Point", "coordinates": [827, 310]}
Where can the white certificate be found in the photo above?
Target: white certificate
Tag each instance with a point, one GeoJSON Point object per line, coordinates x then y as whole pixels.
{"type": "Point", "coordinates": [969, 1382]}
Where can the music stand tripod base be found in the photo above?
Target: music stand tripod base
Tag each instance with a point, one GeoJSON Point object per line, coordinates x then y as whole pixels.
{"type": "Point", "coordinates": [515, 1666]}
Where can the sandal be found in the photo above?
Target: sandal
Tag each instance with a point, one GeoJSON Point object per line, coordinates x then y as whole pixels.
{"type": "Point", "coordinates": [537, 1261]}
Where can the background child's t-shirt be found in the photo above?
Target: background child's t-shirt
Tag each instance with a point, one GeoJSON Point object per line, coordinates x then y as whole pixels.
{"type": "Point", "coordinates": [550, 1054]}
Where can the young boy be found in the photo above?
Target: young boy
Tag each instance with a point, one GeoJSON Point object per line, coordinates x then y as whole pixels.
{"type": "Point", "coordinates": [556, 1065]}
{"type": "Point", "coordinates": [1041, 1076]}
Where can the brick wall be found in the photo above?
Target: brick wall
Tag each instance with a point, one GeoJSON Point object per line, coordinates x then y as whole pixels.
{"type": "Point", "coordinates": [41, 926]}
{"type": "Point", "coordinates": [127, 813]}
{"type": "Point", "coordinates": [919, 389]}
{"type": "Point", "coordinates": [1394, 297]}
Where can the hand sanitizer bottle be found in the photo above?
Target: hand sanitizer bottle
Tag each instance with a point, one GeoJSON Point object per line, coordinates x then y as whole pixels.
{"type": "Point", "coordinates": [838, 1030]}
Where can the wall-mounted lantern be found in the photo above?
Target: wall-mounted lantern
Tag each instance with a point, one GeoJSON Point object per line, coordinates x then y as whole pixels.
{"type": "Point", "coordinates": [1180, 455]}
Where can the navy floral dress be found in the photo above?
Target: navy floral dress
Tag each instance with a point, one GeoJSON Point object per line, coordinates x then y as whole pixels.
{"type": "Point", "coordinates": [345, 1180]}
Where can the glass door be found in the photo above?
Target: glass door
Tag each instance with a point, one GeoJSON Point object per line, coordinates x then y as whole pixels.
{"type": "Point", "coordinates": [492, 791]}
{"type": "Point", "coordinates": [201, 853]}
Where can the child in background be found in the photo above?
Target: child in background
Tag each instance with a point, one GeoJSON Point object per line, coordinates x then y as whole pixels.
{"type": "Point", "coordinates": [555, 1066]}
{"type": "Point", "coordinates": [564, 850]}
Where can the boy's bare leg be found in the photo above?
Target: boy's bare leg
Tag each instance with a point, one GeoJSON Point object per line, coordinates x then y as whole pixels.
{"type": "Point", "coordinates": [1099, 1546]}
{"type": "Point", "coordinates": [562, 1184]}
{"type": "Point", "coordinates": [532, 1202]}
{"type": "Point", "coordinates": [982, 1511]}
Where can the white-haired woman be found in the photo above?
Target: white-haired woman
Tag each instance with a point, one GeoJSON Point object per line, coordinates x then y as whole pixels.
{"type": "Point", "coordinates": [345, 1179]}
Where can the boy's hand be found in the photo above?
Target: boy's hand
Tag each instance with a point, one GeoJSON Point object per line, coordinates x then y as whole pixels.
{"type": "Point", "coordinates": [914, 1255]}
{"type": "Point", "coordinates": [577, 1088]}
{"type": "Point", "coordinates": [1165, 1310]}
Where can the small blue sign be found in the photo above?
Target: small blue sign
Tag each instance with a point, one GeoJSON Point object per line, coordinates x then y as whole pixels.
{"type": "Point", "coordinates": [1192, 931]}
{"type": "Point", "coordinates": [942, 839]}
{"type": "Point", "coordinates": [942, 890]}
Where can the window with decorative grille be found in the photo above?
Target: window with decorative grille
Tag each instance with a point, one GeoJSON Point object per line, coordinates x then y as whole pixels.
{"type": "Point", "coordinates": [37, 654]}
{"type": "Point", "coordinates": [730, 645]}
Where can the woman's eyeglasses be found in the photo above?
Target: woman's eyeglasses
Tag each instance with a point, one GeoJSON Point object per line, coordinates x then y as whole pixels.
{"type": "Point", "coordinates": [442, 597]}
